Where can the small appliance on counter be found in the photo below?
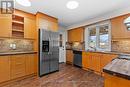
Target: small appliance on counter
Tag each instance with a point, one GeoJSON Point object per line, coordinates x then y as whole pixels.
{"type": "Point", "coordinates": [119, 67]}
{"type": "Point", "coordinates": [48, 52]}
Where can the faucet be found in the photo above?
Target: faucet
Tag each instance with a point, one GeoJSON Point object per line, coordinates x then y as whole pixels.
{"type": "Point", "coordinates": [94, 49]}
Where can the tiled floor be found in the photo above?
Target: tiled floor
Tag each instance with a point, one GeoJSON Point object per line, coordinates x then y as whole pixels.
{"type": "Point", "coordinates": [68, 76]}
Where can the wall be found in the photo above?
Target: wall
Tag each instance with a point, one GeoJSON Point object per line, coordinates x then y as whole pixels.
{"type": "Point", "coordinates": [62, 54]}
{"type": "Point", "coordinates": [103, 17]}
{"type": "Point", "coordinates": [21, 45]}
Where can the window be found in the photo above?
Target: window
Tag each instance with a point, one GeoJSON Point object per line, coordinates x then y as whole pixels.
{"type": "Point", "coordinates": [98, 37]}
{"type": "Point", "coordinates": [92, 38]}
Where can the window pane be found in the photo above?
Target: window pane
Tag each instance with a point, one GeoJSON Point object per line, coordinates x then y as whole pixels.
{"type": "Point", "coordinates": [92, 37]}
{"type": "Point", "coordinates": [104, 37]}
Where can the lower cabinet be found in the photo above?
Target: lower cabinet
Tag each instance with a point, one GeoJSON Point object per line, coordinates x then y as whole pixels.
{"type": "Point", "coordinates": [96, 61]}
{"type": "Point", "coordinates": [16, 66]}
{"type": "Point", "coordinates": [4, 68]}
{"type": "Point", "coordinates": [69, 56]}
{"type": "Point", "coordinates": [114, 81]}
{"type": "Point", "coordinates": [30, 64]}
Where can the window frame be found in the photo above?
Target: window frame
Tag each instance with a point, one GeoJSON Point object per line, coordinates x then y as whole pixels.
{"type": "Point", "coordinates": [97, 26]}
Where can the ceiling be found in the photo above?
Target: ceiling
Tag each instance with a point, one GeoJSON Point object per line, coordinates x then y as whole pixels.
{"type": "Point", "coordinates": [87, 9]}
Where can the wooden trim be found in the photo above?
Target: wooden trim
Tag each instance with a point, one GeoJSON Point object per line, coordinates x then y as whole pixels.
{"type": "Point", "coordinates": [24, 14]}
{"type": "Point", "coordinates": [18, 79]}
{"type": "Point", "coordinates": [45, 16]}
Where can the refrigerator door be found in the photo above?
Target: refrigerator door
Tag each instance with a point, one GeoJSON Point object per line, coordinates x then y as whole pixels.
{"type": "Point", "coordinates": [44, 63]}
{"type": "Point", "coordinates": [54, 51]}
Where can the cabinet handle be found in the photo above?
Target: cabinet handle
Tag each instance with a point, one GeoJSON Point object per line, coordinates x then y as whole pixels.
{"type": "Point", "coordinates": [19, 63]}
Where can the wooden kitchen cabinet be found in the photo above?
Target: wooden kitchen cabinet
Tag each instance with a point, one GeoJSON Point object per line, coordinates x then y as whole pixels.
{"type": "Point", "coordinates": [91, 61]}
{"type": "Point", "coordinates": [4, 68]}
{"type": "Point", "coordinates": [69, 56]}
{"type": "Point", "coordinates": [114, 81]}
{"type": "Point", "coordinates": [96, 61]}
{"type": "Point", "coordinates": [18, 64]}
{"type": "Point", "coordinates": [5, 25]}
{"type": "Point", "coordinates": [29, 28]}
{"type": "Point", "coordinates": [107, 58]}
{"type": "Point", "coordinates": [76, 35]}
{"type": "Point", "coordinates": [86, 60]}
{"type": "Point", "coordinates": [30, 64]}
{"type": "Point", "coordinates": [119, 30]}
{"type": "Point", "coordinates": [44, 21]}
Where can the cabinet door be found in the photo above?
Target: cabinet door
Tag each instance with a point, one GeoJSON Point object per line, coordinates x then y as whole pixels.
{"type": "Point", "coordinates": [29, 28]}
{"type": "Point", "coordinates": [95, 62]}
{"type": "Point", "coordinates": [69, 56]}
{"type": "Point", "coordinates": [30, 64]}
{"type": "Point", "coordinates": [4, 68]}
{"type": "Point", "coordinates": [76, 35]}
{"type": "Point", "coordinates": [84, 60]}
{"type": "Point", "coordinates": [17, 66]}
{"type": "Point", "coordinates": [88, 61]}
{"type": "Point", "coordinates": [5, 25]}
{"type": "Point", "coordinates": [53, 26]}
{"type": "Point", "coordinates": [107, 58]}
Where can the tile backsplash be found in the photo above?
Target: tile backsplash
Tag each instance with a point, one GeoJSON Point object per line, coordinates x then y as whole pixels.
{"type": "Point", "coordinates": [75, 45]}
{"type": "Point", "coordinates": [121, 46]}
{"type": "Point", "coordinates": [16, 45]}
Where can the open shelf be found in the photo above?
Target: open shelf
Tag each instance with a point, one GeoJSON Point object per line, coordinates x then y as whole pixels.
{"type": "Point", "coordinates": [18, 22]}
{"type": "Point", "coordinates": [17, 26]}
{"type": "Point", "coordinates": [17, 30]}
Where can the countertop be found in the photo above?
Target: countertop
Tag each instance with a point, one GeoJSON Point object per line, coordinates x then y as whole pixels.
{"type": "Point", "coordinates": [16, 53]}
{"type": "Point", "coordinates": [104, 52]}
{"type": "Point", "coordinates": [119, 67]}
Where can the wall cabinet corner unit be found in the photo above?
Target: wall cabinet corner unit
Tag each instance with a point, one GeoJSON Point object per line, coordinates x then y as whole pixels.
{"type": "Point", "coordinates": [76, 35]}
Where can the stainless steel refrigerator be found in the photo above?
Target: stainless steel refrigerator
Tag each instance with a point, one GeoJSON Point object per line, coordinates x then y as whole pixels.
{"type": "Point", "coordinates": [48, 52]}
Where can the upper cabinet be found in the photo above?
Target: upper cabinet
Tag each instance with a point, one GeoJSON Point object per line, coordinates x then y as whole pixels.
{"type": "Point", "coordinates": [29, 28]}
{"type": "Point", "coordinates": [119, 29]}
{"type": "Point", "coordinates": [44, 21]}
{"type": "Point", "coordinates": [29, 21]}
{"type": "Point", "coordinates": [19, 25]}
{"type": "Point", "coordinates": [5, 25]}
{"type": "Point", "coordinates": [76, 35]}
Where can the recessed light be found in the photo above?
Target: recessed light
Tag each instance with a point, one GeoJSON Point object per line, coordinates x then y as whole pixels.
{"type": "Point", "coordinates": [72, 4]}
{"type": "Point", "coordinates": [25, 3]}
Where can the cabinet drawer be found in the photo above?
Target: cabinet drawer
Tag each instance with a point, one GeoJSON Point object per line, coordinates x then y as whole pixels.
{"type": "Point", "coordinates": [17, 73]}
{"type": "Point", "coordinates": [18, 65]}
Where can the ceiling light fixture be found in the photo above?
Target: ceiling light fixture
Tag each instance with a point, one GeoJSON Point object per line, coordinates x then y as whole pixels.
{"type": "Point", "coordinates": [25, 3]}
{"type": "Point", "coordinates": [72, 4]}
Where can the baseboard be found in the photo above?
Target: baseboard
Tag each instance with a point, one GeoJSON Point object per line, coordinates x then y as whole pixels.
{"type": "Point", "coordinates": [61, 62]}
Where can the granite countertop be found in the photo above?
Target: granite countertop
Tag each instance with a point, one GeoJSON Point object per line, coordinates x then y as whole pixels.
{"type": "Point", "coordinates": [119, 67]}
{"type": "Point", "coordinates": [16, 53]}
{"type": "Point", "coordinates": [105, 52]}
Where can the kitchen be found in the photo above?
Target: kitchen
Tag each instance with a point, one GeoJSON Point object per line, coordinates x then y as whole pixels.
{"type": "Point", "coordinates": [45, 47]}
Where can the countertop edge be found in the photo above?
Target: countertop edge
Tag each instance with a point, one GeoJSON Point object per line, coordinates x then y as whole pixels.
{"type": "Point", "coordinates": [117, 74]}
{"type": "Point", "coordinates": [103, 52]}
{"type": "Point", "coordinates": [17, 53]}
